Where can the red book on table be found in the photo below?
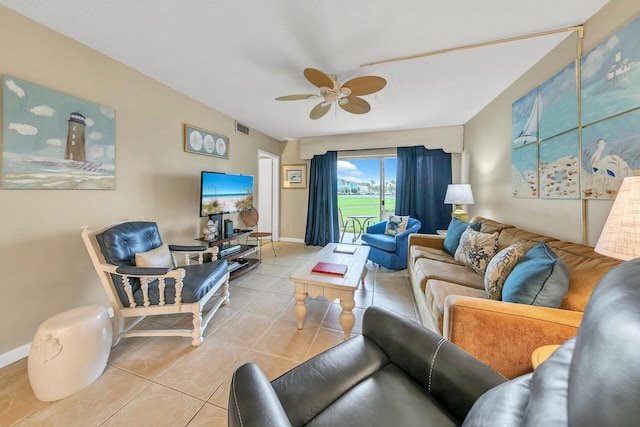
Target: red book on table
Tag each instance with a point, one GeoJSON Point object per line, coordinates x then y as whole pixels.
{"type": "Point", "coordinates": [330, 268]}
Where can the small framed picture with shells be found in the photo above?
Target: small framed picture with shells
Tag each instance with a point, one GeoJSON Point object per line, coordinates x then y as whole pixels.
{"type": "Point", "coordinates": [202, 141]}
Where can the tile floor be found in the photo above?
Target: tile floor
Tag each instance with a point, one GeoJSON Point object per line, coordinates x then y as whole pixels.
{"type": "Point", "coordinates": [164, 381]}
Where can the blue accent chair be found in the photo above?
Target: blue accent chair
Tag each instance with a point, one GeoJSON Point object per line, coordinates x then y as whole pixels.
{"type": "Point", "coordinates": [388, 251]}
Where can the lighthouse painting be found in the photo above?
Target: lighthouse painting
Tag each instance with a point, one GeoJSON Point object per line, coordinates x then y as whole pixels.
{"type": "Point", "coordinates": [55, 141]}
{"type": "Point", "coordinates": [75, 138]}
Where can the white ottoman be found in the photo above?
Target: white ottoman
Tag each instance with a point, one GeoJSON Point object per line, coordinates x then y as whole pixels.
{"type": "Point", "coordinates": [69, 351]}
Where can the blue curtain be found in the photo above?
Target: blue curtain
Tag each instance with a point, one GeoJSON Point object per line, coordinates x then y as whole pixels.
{"type": "Point", "coordinates": [322, 212]}
{"type": "Point", "coordinates": [422, 177]}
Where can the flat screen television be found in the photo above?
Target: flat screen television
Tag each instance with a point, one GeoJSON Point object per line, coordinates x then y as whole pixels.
{"type": "Point", "coordinates": [222, 193]}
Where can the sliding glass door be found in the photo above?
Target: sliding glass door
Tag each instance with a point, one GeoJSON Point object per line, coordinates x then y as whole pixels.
{"type": "Point", "coordinates": [366, 192]}
{"type": "Point", "coordinates": [388, 196]}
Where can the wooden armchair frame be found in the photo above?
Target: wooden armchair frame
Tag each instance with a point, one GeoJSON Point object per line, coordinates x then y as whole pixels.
{"type": "Point", "coordinates": [113, 275]}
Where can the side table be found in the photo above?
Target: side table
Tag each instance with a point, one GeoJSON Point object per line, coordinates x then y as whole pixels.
{"type": "Point", "coordinates": [541, 354]}
{"type": "Point", "coordinates": [362, 221]}
{"type": "Point", "coordinates": [69, 352]}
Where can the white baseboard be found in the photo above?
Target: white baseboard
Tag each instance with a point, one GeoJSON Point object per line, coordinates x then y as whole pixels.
{"type": "Point", "coordinates": [14, 355]}
{"type": "Point", "coordinates": [289, 239]}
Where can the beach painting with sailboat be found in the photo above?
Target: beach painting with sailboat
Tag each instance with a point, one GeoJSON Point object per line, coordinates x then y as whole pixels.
{"type": "Point", "coordinates": [524, 120]}
{"type": "Point", "coordinates": [524, 171]}
{"type": "Point", "coordinates": [559, 172]}
{"type": "Point", "coordinates": [558, 103]}
{"type": "Point", "coordinates": [610, 152]}
{"type": "Point", "coordinates": [611, 75]}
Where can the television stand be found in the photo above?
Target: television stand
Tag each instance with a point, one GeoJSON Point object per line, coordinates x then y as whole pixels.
{"type": "Point", "coordinates": [227, 249]}
{"type": "Point", "coordinates": [239, 253]}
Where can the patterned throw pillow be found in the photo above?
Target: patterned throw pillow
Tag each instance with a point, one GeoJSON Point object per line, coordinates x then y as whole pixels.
{"type": "Point", "coordinates": [396, 224]}
{"type": "Point", "coordinates": [476, 249]}
{"type": "Point", "coordinates": [499, 268]}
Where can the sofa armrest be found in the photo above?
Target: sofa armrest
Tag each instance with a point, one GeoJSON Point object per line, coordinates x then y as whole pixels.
{"type": "Point", "coordinates": [503, 335]}
{"type": "Point", "coordinates": [253, 401]}
{"type": "Point", "coordinates": [452, 376]}
{"type": "Point", "coordinates": [428, 240]}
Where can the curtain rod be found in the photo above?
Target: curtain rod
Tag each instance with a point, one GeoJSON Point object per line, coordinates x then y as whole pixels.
{"type": "Point", "coordinates": [579, 28]}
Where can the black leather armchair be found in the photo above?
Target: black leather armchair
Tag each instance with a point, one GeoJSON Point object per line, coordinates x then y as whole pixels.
{"type": "Point", "coordinates": [396, 373]}
{"type": "Point", "coordinates": [400, 374]}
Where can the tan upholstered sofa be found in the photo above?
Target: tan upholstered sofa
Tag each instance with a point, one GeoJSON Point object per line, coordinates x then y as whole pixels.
{"type": "Point", "coordinates": [451, 299]}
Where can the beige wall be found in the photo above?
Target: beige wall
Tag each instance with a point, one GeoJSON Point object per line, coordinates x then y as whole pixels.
{"type": "Point", "coordinates": [293, 202]}
{"type": "Point", "coordinates": [44, 268]}
{"type": "Point", "coordinates": [487, 153]}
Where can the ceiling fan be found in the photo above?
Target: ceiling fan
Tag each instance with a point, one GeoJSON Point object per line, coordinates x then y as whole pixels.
{"type": "Point", "coordinates": [346, 95]}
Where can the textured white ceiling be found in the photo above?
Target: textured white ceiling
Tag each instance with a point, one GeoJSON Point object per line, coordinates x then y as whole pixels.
{"type": "Point", "coordinates": [237, 56]}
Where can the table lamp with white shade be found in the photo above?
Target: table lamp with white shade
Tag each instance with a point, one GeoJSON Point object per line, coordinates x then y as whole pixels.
{"type": "Point", "coordinates": [458, 195]}
{"type": "Point", "coordinates": [620, 237]}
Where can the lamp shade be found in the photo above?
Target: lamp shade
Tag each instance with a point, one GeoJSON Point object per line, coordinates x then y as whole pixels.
{"type": "Point", "coordinates": [620, 237]}
{"type": "Point", "coordinates": [459, 194]}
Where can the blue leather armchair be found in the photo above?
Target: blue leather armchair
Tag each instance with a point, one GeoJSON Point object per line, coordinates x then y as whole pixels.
{"type": "Point", "coordinates": [388, 251]}
{"type": "Point", "coordinates": [161, 289]}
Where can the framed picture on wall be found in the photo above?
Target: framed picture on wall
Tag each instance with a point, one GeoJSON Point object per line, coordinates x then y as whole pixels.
{"type": "Point", "coordinates": [558, 101]}
{"type": "Point", "coordinates": [202, 141]}
{"type": "Point", "coordinates": [55, 141]}
{"type": "Point", "coordinates": [609, 76]}
{"type": "Point", "coordinates": [559, 159]}
{"type": "Point", "coordinates": [524, 171]}
{"type": "Point", "coordinates": [524, 120]}
{"type": "Point", "coordinates": [610, 152]}
{"type": "Point", "coordinates": [294, 176]}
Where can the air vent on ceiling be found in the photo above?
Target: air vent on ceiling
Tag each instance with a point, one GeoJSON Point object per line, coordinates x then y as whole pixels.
{"type": "Point", "coordinates": [240, 128]}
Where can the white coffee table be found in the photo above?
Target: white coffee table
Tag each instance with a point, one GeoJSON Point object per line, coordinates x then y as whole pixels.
{"type": "Point", "coordinates": [308, 283]}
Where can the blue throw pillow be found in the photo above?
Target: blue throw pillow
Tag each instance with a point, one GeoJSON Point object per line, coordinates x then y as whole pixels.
{"type": "Point", "coordinates": [454, 232]}
{"type": "Point", "coordinates": [540, 278]}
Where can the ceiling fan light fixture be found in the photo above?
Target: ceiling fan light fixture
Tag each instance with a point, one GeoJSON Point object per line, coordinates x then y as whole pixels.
{"type": "Point", "coordinates": [330, 96]}
{"type": "Point", "coordinates": [344, 95]}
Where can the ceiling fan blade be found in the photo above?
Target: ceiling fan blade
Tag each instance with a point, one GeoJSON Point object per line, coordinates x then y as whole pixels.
{"type": "Point", "coordinates": [296, 97]}
{"type": "Point", "coordinates": [365, 85]}
{"type": "Point", "coordinates": [319, 110]}
{"type": "Point", "coordinates": [355, 105]}
{"type": "Point", "coordinates": [318, 78]}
